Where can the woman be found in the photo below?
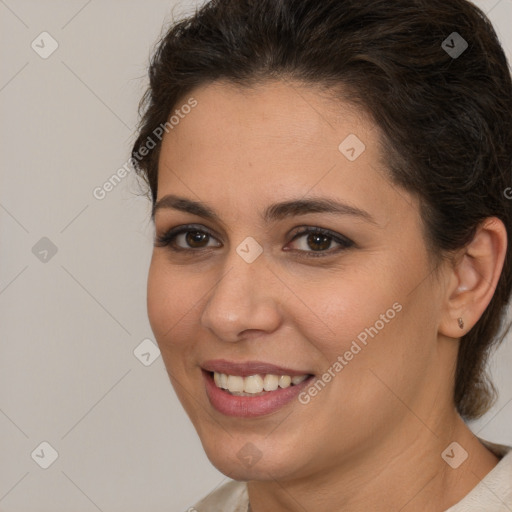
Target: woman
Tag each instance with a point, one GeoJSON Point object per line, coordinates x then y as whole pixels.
{"type": "Point", "coordinates": [331, 265]}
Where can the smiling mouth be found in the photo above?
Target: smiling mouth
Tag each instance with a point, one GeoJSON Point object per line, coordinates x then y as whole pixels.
{"type": "Point", "coordinates": [255, 385]}
{"type": "Point", "coordinates": [252, 394]}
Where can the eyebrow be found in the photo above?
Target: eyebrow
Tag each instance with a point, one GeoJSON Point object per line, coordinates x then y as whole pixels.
{"type": "Point", "coordinates": [274, 212]}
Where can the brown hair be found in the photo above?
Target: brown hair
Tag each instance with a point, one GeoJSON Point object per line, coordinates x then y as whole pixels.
{"type": "Point", "coordinates": [444, 110]}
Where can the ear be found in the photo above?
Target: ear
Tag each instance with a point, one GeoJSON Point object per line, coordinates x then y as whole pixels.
{"type": "Point", "coordinates": [474, 277]}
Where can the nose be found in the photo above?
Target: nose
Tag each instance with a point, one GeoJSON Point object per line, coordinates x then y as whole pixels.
{"type": "Point", "coordinates": [242, 301]}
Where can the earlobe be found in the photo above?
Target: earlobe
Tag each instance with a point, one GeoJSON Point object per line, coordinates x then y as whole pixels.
{"type": "Point", "coordinates": [474, 278]}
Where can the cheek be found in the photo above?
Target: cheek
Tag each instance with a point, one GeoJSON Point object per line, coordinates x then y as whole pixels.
{"type": "Point", "coordinates": [170, 302]}
{"type": "Point", "coordinates": [365, 326]}
{"type": "Point", "coordinates": [157, 301]}
{"type": "Point", "coordinates": [342, 308]}
{"type": "Point", "coordinates": [379, 338]}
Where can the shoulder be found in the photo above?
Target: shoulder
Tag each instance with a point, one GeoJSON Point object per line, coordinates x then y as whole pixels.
{"type": "Point", "coordinates": [230, 497]}
{"type": "Point", "coordinates": [494, 492]}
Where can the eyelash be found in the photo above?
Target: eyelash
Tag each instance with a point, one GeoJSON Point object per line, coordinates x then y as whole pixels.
{"type": "Point", "coordinates": [167, 239]}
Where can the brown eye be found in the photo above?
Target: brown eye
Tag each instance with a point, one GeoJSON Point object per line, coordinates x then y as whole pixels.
{"type": "Point", "coordinates": [317, 241]}
{"type": "Point", "coordinates": [185, 238]}
{"type": "Point", "coordinates": [196, 238]}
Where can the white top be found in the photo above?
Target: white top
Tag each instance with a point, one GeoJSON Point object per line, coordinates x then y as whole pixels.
{"type": "Point", "coordinates": [492, 494]}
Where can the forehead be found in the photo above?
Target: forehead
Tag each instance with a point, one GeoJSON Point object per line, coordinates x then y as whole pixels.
{"type": "Point", "coordinates": [276, 140]}
{"type": "Point", "coordinates": [274, 120]}
{"type": "Point", "coordinates": [287, 112]}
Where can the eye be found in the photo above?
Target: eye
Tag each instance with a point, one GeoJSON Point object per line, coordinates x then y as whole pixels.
{"type": "Point", "coordinates": [319, 240]}
{"type": "Point", "coordinates": [314, 241]}
{"type": "Point", "coordinates": [186, 238]}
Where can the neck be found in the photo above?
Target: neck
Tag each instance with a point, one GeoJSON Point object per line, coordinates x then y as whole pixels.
{"type": "Point", "coordinates": [407, 473]}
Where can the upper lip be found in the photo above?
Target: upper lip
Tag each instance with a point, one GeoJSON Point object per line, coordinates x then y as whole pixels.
{"type": "Point", "coordinates": [247, 368]}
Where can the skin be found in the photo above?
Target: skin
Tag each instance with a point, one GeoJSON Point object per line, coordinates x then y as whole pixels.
{"type": "Point", "coordinates": [372, 438]}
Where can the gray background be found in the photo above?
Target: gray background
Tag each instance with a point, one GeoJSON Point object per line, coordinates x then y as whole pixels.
{"type": "Point", "coordinates": [70, 321]}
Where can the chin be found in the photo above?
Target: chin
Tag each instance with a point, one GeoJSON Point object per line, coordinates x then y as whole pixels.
{"type": "Point", "coordinates": [244, 460]}
{"type": "Point", "coordinates": [234, 469]}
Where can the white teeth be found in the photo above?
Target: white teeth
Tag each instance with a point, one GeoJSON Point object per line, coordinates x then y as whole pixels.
{"type": "Point", "coordinates": [235, 383]}
{"type": "Point", "coordinates": [298, 379]}
{"type": "Point", "coordinates": [255, 384]}
{"type": "Point", "coordinates": [285, 381]}
{"type": "Point", "coordinates": [270, 382]}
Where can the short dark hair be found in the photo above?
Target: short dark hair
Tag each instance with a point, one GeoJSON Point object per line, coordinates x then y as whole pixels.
{"type": "Point", "coordinates": [445, 116]}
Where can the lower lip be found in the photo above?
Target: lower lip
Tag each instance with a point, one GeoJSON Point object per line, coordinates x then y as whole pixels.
{"type": "Point", "coordinates": [250, 406]}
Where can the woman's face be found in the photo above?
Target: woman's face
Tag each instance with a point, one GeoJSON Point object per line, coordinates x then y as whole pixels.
{"type": "Point", "coordinates": [355, 307]}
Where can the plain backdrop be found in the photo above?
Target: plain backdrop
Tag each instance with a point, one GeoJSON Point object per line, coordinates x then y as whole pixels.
{"type": "Point", "coordinates": [73, 271]}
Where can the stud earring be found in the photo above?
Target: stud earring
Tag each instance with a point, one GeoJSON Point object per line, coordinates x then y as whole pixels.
{"type": "Point", "coordinates": [461, 323]}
